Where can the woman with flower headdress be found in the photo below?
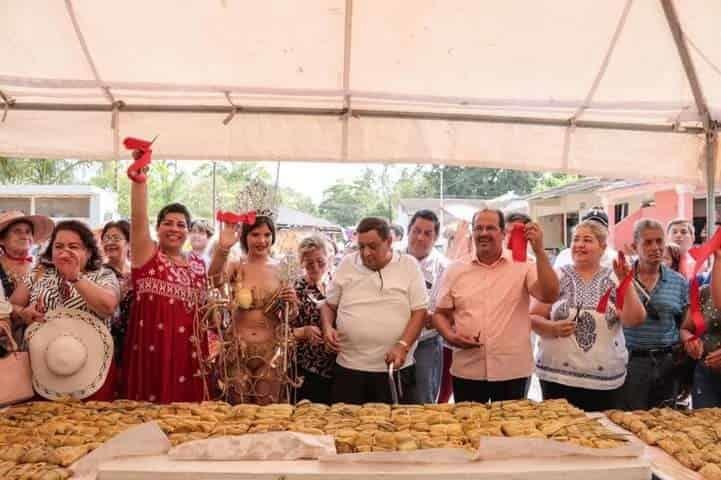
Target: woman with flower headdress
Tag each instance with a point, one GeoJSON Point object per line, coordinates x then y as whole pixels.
{"type": "Point", "coordinates": [252, 365]}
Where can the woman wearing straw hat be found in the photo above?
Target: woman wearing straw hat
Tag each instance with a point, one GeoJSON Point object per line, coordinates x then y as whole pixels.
{"type": "Point", "coordinates": [18, 233]}
{"type": "Point", "coordinates": [66, 298]}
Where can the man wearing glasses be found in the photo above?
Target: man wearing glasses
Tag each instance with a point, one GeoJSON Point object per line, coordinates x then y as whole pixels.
{"type": "Point", "coordinates": [652, 380]}
{"type": "Point", "coordinates": [482, 310]}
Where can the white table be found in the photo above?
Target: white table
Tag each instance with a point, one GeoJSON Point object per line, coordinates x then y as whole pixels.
{"type": "Point", "coordinates": [566, 468]}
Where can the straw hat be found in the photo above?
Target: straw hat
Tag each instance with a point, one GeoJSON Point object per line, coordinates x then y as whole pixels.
{"type": "Point", "coordinates": [70, 354]}
{"type": "Point", "coordinates": [42, 225]}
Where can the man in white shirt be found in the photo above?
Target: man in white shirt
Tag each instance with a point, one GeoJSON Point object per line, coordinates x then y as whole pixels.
{"type": "Point", "coordinates": [374, 311]}
{"type": "Point", "coordinates": [423, 231]}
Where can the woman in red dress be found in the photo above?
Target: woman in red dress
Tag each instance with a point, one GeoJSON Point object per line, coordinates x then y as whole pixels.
{"type": "Point", "coordinates": [161, 356]}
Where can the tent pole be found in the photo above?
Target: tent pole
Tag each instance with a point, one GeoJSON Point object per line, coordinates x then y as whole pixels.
{"type": "Point", "coordinates": [335, 112]}
{"type": "Point", "coordinates": [442, 212]}
{"type": "Point", "coordinates": [215, 207]}
{"type": "Point", "coordinates": [709, 125]}
{"type": "Point", "coordinates": [711, 146]}
{"type": "Point", "coordinates": [277, 184]}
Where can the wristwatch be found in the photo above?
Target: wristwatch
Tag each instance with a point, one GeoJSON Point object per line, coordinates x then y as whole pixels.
{"type": "Point", "coordinates": [404, 344]}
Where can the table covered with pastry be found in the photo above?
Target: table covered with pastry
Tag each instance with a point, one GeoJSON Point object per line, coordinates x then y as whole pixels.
{"type": "Point", "coordinates": [551, 439]}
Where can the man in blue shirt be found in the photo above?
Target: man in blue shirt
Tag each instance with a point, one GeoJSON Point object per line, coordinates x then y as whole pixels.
{"type": "Point", "coordinates": [652, 380]}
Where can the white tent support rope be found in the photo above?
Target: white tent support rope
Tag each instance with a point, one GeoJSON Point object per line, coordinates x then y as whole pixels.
{"type": "Point", "coordinates": [709, 125]}
{"type": "Point", "coordinates": [596, 82]}
{"type": "Point", "coordinates": [234, 109]}
{"type": "Point", "coordinates": [7, 103]}
{"type": "Point", "coordinates": [115, 104]}
{"type": "Point", "coordinates": [86, 51]}
{"type": "Point", "coordinates": [604, 64]}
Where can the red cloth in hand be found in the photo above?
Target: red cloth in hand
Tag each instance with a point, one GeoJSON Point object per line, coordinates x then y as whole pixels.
{"type": "Point", "coordinates": [142, 154]}
{"type": "Point", "coordinates": [234, 218]}
{"type": "Point", "coordinates": [621, 290]}
{"type": "Point", "coordinates": [701, 254]}
{"type": "Point", "coordinates": [518, 243]}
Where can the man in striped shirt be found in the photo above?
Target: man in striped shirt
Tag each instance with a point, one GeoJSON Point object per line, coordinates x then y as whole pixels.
{"type": "Point", "coordinates": [652, 380]}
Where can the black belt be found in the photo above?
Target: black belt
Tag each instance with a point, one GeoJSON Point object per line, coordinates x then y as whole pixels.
{"type": "Point", "coordinates": [652, 352]}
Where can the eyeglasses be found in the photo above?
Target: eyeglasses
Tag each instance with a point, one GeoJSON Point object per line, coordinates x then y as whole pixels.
{"type": "Point", "coordinates": [488, 228]}
{"type": "Point", "coordinates": [112, 239]}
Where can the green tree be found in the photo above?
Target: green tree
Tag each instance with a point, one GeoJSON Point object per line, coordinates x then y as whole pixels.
{"type": "Point", "coordinates": [293, 199]}
{"type": "Point", "coordinates": [344, 203]}
{"type": "Point", "coordinates": [40, 171]}
{"type": "Point", "coordinates": [472, 182]}
{"type": "Point", "coordinates": [372, 193]}
{"type": "Point", "coordinates": [105, 179]}
{"type": "Point", "coordinates": [553, 180]}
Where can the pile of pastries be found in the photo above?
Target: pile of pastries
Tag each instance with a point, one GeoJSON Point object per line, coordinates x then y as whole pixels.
{"type": "Point", "coordinates": [40, 440]}
{"type": "Point", "coordinates": [691, 437]}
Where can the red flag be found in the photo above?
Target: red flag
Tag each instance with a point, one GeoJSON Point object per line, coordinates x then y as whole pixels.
{"type": "Point", "coordinates": [518, 243]}
{"type": "Point", "coordinates": [701, 253]}
{"type": "Point", "coordinates": [142, 154]}
{"type": "Point", "coordinates": [621, 290]}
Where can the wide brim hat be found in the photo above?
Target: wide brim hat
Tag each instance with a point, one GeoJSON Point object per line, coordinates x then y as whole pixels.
{"type": "Point", "coordinates": [42, 226]}
{"type": "Point", "coordinates": [70, 354]}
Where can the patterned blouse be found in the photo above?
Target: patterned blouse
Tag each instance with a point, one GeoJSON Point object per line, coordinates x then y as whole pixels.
{"type": "Point", "coordinates": [8, 281]}
{"type": "Point", "coordinates": [121, 316]}
{"type": "Point", "coordinates": [595, 356]}
{"type": "Point", "coordinates": [712, 316]}
{"type": "Point", "coordinates": [313, 358]}
{"type": "Point", "coordinates": [48, 290]}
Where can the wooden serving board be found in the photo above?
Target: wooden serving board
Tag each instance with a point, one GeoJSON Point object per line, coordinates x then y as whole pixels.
{"type": "Point", "coordinates": [663, 465]}
{"type": "Point", "coordinates": [566, 468]}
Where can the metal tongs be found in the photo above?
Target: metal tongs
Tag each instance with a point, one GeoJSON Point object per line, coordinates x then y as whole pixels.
{"type": "Point", "coordinates": [396, 389]}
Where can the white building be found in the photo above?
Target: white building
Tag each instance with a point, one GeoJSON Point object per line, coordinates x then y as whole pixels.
{"type": "Point", "coordinates": [87, 203]}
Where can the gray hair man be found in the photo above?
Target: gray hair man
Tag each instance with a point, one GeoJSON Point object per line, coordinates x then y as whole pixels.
{"type": "Point", "coordinates": [651, 380]}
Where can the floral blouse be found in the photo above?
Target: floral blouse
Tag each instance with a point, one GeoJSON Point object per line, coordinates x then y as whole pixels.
{"type": "Point", "coordinates": [313, 358]}
{"type": "Point", "coordinates": [119, 320]}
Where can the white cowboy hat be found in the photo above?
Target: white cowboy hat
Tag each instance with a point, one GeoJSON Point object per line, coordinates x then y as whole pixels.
{"type": "Point", "coordinates": [42, 225]}
{"type": "Point", "coordinates": [70, 354]}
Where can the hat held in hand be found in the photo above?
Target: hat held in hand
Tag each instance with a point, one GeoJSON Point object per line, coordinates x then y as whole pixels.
{"type": "Point", "coordinates": [70, 354]}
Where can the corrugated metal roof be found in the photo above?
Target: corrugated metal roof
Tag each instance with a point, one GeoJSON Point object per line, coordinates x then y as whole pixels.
{"type": "Point", "coordinates": [585, 185]}
{"type": "Point", "coordinates": [289, 217]}
{"type": "Point", "coordinates": [29, 190]}
{"type": "Point", "coordinates": [415, 204]}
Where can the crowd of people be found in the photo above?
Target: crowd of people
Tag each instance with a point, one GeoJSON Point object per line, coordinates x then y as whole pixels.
{"type": "Point", "coordinates": [392, 322]}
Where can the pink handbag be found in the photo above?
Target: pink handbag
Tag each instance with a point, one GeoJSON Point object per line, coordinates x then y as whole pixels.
{"type": "Point", "coordinates": [16, 383]}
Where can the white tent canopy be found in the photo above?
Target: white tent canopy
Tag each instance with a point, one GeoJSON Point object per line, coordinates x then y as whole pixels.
{"type": "Point", "coordinates": [584, 86]}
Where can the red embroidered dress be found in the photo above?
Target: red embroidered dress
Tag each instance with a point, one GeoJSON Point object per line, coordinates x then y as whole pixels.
{"type": "Point", "coordinates": [159, 359]}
